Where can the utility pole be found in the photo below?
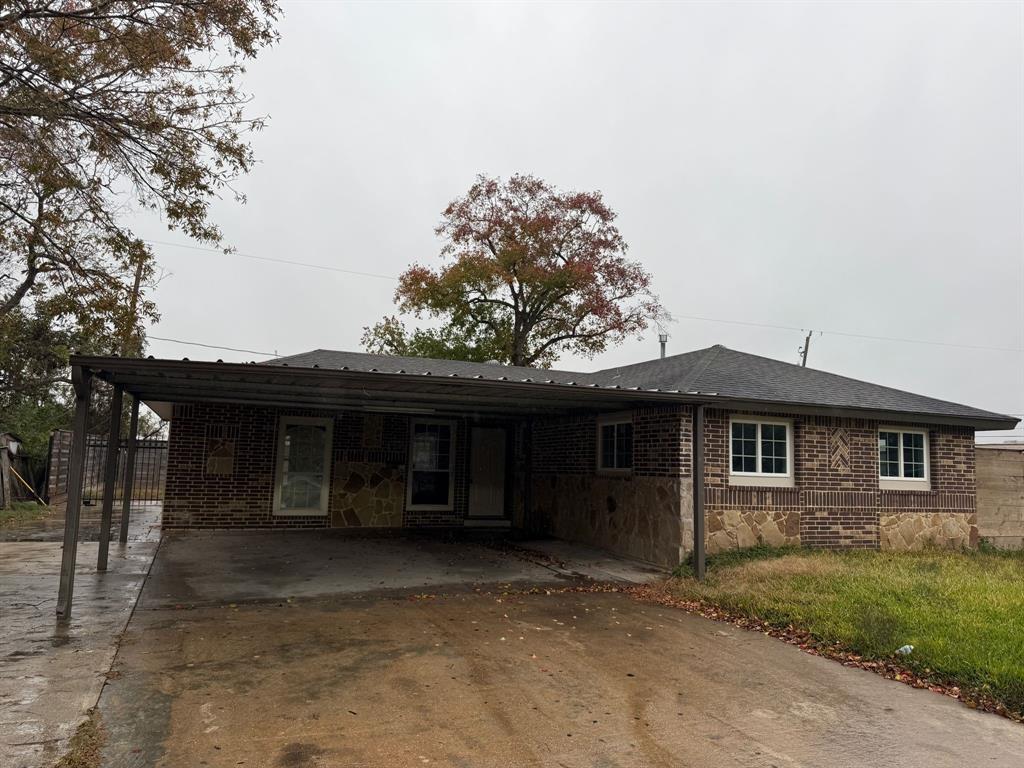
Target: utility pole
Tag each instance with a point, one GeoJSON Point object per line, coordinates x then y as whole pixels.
{"type": "Point", "coordinates": [133, 307]}
{"type": "Point", "coordinates": [803, 351]}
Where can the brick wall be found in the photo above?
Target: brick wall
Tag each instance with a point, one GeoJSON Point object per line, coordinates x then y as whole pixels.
{"type": "Point", "coordinates": [637, 514]}
{"type": "Point", "coordinates": [836, 494]}
{"type": "Point", "coordinates": [661, 443]}
{"type": "Point", "coordinates": [835, 500]}
{"type": "Point", "coordinates": [373, 446]}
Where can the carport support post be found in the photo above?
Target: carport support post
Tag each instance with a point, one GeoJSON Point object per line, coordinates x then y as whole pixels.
{"type": "Point", "coordinates": [699, 558]}
{"type": "Point", "coordinates": [129, 471]}
{"type": "Point", "coordinates": [81, 378]}
{"type": "Point", "coordinates": [110, 476]}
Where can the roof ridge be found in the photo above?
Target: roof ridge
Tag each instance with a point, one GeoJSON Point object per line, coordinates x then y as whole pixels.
{"type": "Point", "coordinates": [844, 377]}
{"type": "Point", "coordinates": [701, 367]}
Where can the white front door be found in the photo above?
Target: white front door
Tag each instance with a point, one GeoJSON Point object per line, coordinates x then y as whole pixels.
{"type": "Point", "coordinates": [487, 472]}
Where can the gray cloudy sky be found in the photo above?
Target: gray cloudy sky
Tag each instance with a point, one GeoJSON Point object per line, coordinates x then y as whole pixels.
{"type": "Point", "coordinates": [844, 167]}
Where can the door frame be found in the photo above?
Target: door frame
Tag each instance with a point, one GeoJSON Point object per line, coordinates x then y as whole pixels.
{"type": "Point", "coordinates": [506, 497]}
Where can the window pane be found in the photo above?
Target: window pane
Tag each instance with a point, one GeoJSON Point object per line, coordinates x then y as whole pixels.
{"type": "Point", "coordinates": [430, 488]}
{"type": "Point", "coordinates": [431, 462]}
{"type": "Point", "coordinates": [431, 447]}
{"type": "Point", "coordinates": [608, 446]}
{"type": "Point", "coordinates": [773, 449]}
{"type": "Point", "coordinates": [913, 455]}
{"type": "Point", "coordinates": [744, 447]}
{"type": "Point", "coordinates": [623, 446]}
{"type": "Point", "coordinates": [889, 454]}
{"type": "Point", "coordinates": [302, 465]}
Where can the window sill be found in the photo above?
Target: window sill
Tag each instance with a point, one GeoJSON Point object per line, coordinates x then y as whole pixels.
{"type": "Point", "coordinates": [300, 512]}
{"type": "Point", "coordinates": [904, 485]}
{"type": "Point", "coordinates": [605, 472]}
{"type": "Point", "coordinates": [763, 481]}
{"type": "Point", "coordinates": [429, 508]}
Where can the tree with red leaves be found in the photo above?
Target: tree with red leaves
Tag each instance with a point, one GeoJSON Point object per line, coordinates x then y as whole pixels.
{"type": "Point", "coordinates": [530, 273]}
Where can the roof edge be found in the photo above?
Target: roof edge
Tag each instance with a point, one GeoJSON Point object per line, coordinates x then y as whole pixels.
{"type": "Point", "coordinates": [982, 422]}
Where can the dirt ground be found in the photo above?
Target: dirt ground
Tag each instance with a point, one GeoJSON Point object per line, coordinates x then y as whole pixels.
{"type": "Point", "coordinates": [465, 674]}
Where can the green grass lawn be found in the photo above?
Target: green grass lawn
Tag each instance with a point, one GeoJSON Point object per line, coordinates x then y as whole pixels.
{"type": "Point", "coordinates": [962, 612]}
{"type": "Point", "coordinates": [21, 511]}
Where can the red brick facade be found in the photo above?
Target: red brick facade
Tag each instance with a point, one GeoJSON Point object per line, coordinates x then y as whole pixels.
{"type": "Point", "coordinates": [243, 498]}
{"type": "Point", "coordinates": [835, 500]}
{"type": "Point", "coordinates": [836, 485]}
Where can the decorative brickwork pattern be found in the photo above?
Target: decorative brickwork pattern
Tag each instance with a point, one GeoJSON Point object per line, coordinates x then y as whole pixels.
{"type": "Point", "coordinates": [839, 450]}
{"type": "Point", "coordinates": [836, 495]}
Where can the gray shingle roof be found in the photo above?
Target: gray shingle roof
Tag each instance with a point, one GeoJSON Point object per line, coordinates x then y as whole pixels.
{"type": "Point", "coordinates": [743, 376]}
{"type": "Point", "coordinates": [714, 372]}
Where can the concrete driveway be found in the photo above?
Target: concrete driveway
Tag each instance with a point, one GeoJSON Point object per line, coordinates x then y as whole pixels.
{"type": "Point", "coordinates": [412, 665]}
{"type": "Point", "coordinates": [51, 673]}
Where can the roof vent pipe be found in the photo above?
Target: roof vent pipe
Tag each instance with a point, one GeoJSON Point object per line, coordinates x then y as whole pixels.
{"type": "Point", "coordinates": [663, 340]}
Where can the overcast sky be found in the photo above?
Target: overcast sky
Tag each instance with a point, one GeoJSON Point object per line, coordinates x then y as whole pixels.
{"type": "Point", "coordinates": [845, 168]}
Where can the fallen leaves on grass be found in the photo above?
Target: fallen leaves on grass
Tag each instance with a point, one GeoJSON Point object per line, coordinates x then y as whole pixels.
{"type": "Point", "coordinates": [84, 747]}
{"type": "Point", "coordinates": [888, 668]}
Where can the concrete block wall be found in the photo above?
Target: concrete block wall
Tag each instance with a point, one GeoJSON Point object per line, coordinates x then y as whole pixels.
{"type": "Point", "coordinates": [1001, 496]}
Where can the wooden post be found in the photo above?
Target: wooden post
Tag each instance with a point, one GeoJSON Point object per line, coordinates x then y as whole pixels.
{"type": "Point", "coordinates": [699, 558]}
{"type": "Point", "coordinates": [81, 378]}
{"type": "Point", "coordinates": [6, 489]}
{"type": "Point", "coordinates": [110, 477]}
{"type": "Point", "coordinates": [129, 471]}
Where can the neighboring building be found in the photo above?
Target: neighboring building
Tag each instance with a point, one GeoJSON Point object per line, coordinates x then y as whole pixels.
{"type": "Point", "coordinates": [1001, 494]}
{"type": "Point", "coordinates": [790, 455]}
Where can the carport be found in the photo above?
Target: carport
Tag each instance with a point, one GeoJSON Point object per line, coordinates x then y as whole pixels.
{"type": "Point", "coordinates": [162, 384]}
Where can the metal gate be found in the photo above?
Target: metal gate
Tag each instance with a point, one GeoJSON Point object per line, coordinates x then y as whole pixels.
{"type": "Point", "coordinates": [149, 476]}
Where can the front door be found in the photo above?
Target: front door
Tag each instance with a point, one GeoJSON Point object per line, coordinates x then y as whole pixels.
{"type": "Point", "coordinates": [487, 472]}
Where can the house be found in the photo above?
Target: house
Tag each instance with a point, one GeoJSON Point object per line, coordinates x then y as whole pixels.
{"type": "Point", "coordinates": [786, 455]}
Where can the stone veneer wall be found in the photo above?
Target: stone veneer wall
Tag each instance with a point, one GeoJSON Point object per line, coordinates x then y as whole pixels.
{"type": "Point", "coordinates": [836, 501]}
{"type": "Point", "coordinates": [638, 515]}
{"type": "Point", "coordinates": [368, 471]}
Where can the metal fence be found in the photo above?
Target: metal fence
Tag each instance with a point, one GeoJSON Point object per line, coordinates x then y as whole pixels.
{"type": "Point", "coordinates": [149, 476]}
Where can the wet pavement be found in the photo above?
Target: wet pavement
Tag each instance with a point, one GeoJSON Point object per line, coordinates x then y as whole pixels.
{"type": "Point", "coordinates": [210, 567]}
{"type": "Point", "coordinates": [49, 526]}
{"type": "Point", "coordinates": [51, 674]}
{"type": "Point", "coordinates": [562, 679]}
{"type": "Point", "coordinates": [398, 652]}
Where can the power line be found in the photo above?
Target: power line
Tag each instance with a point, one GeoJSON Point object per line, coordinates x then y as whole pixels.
{"type": "Point", "coordinates": [308, 265]}
{"type": "Point", "coordinates": [327, 268]}
{"type": "Point", "coordinates": [212, 346]}
{"type": "Point", "coordinates": [850, 335]}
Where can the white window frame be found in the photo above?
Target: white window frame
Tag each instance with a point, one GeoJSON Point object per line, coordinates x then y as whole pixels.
{"type": "Point", "coordinates": [450, 506]}
{"type": "Point", "coordinates": [609, 420]}
{"type": "Point", "coordinates": [776, 479]}
{"type": "Point", "coordinates": [325, 489]}
{"type": "Point", "coordinates": [902, 483]}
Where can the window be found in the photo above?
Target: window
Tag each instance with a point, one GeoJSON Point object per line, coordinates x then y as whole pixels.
{"type": "Point", "coordinates": [303, 461]}
{"type": "Point", "coordinates": [430, 466]}
{"type": "Point", "coordinates": [760, 451]}
{"type": "Point", "coordinates": [615, 444]}
{"type": "Point", "coordinates": [902, 457]}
